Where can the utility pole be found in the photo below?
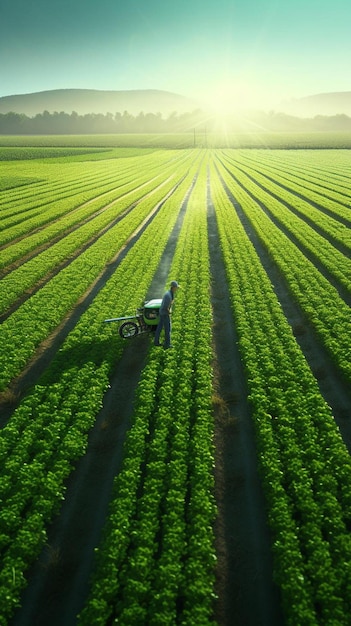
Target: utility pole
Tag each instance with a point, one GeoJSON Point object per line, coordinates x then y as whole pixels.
{"type": "Point", "coordinates": [194, 138]}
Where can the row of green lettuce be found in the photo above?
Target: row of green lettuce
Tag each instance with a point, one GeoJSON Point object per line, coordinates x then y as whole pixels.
{"type": "Point", "coordinates": [305, 465]}
{"type": "Point", "coordinates": [82, 181]}
{"type": "Point", "coordinates": [48, 431]}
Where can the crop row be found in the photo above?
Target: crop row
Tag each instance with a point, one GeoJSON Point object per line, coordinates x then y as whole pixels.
{"type": "Point", "coordinates": [156, 562]}
{"type": "Point", "coordinates": [306, 468]}
{"type": "Point", "coordinates": [48, 431]}
{"type": "Point", "coordinates": [320, 301]}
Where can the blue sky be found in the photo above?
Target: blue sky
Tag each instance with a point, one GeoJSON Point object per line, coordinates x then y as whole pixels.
{"type": "Point", "coordinates": [259, 51]}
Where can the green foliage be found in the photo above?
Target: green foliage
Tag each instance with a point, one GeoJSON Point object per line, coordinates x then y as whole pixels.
{"type": "Point", "coordinates": [78, 216]}
{"type": "Point", "coordinates": [163, 544]}
{"type": "Point", "coordinates": [34, 445]}
{"type": "Point", "coordinates": [202, 137]}
{"type": "Point", "coordinates": [300, 449]}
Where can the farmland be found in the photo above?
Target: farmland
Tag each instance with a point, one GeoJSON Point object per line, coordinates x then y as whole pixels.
{"type": "Point", "coordinates": [208, 484]}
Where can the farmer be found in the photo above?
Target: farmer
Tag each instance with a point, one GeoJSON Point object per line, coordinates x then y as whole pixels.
{"type": "Point", "coordinates": [165, 316]}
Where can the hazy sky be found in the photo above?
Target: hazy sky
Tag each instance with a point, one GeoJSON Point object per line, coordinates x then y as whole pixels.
{"type": "Point", "coordinates": [258, 51]}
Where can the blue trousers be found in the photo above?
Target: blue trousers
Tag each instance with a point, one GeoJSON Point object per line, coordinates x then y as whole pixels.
{"type": "Point", "coordinates": [164, 323]}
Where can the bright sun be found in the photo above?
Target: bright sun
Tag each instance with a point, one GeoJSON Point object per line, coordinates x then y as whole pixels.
{"type": "Point", "coordinates": [232, 97]}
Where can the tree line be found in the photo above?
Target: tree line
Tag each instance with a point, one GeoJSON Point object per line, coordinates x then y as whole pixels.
{"type": "Point", "coordinates": [46, 123]}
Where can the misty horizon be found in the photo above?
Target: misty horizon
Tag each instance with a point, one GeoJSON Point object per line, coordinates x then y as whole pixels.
{"type": "Point", "coordinates": [136, 102]}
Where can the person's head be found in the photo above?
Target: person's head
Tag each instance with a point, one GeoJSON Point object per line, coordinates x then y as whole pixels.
{"type": "Point", "coordinates": [174, 285]}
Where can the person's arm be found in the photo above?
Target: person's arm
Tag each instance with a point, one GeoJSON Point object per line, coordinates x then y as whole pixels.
{"type": "Point", "coordinates": [169, 304]}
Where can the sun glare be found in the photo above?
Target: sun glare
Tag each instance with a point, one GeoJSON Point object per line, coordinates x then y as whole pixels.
{"type": "Point", "coordinates": [230, 105]}
{"type": "Point", "coordinates": [232, 97]}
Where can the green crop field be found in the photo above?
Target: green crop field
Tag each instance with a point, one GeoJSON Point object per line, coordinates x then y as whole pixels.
{"type": "Point", "coordinates": [150, 486]}
{"type": "Point", "coordinates": [197, 137]}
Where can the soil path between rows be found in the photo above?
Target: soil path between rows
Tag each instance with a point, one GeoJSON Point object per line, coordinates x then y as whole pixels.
{"type": "Point", "coordinates": [246, 591]}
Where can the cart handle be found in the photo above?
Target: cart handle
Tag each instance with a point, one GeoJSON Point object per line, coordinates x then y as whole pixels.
{"type": "Point", "coordinates": [119, 319]}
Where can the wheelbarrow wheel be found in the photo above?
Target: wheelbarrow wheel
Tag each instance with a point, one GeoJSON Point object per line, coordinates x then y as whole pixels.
{"type": "Point", "coordinates": [128, 329]}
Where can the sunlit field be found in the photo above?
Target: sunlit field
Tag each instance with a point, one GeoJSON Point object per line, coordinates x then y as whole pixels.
{"type": "Point", "coordinates": [198, 137]}
{"type": "Point", "coordinates": [148, 486]}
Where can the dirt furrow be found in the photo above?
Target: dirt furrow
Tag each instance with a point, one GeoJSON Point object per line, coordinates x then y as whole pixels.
{"type": "Point", "coordinates": [247, 593]}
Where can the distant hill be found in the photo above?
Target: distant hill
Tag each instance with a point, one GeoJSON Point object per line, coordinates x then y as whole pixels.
{"type": "Point", "coordinates": [320, 104]}
{"type": "Point", "coordinates": [84, 101]}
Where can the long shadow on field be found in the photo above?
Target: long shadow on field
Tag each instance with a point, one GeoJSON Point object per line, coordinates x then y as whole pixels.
{"type": "Point", "coordinates": [247, 593]}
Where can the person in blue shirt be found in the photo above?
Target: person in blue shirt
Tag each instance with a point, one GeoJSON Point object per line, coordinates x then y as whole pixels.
{"type": "Point", "coordinates": [165, 316]}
